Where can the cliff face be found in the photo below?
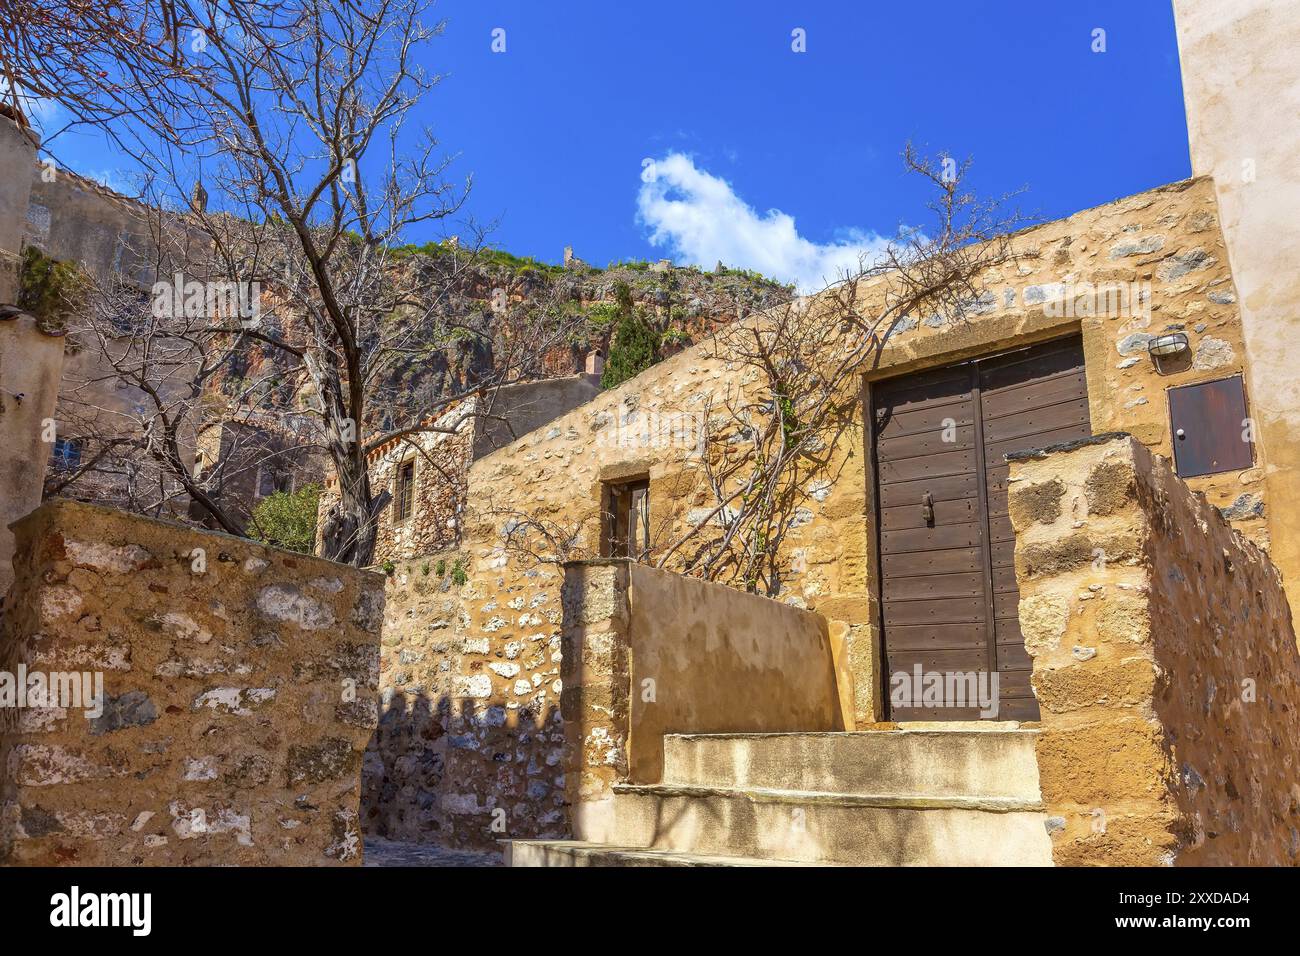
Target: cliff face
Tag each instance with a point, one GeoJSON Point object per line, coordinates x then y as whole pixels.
{"type": "Point", "coordinates": [455, 287]}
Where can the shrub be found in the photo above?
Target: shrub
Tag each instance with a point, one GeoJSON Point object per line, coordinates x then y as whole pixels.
{"type": "Point", "coordinates": [287, 519]}
{"type": "Point", "coordinates": [635, 346]}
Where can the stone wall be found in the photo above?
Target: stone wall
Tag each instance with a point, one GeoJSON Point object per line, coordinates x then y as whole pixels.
{"type": "Point", "coordinates": [476, 427]}
{"type": "Point", "coordinates": [405, 767]}
{"type": "Point", "coordinates": [1165, 665]}
{"type": "Point", "coordinates": [512, 411]}
{"type": "Point", "coordinates": [648, 653]}
{"type": "Point", "coordinates": [238, 695]}
{"type": "Point", "coordinates": [18, 149]}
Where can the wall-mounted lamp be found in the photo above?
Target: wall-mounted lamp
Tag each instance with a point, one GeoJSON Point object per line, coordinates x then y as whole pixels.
{"type": "Point", "coordinates": [1170, 344]}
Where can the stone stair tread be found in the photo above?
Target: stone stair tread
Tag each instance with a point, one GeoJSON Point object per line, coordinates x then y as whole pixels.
{"type": "Point", "coordinates": [912, 731]}
{"type": "Point", "coordinates": [904, 801]}
{"type": "Point", "coordinates": [639, 854]}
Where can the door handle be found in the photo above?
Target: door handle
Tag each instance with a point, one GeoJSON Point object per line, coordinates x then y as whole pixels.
{"type": "Point", "coordinates": [927, 507]}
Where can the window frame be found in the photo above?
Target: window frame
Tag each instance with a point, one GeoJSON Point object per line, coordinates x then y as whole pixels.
{"type": "Point", "coordinates": [61, 462]}
{"type": "Point", "coordinates": [621, 521]}
{"type": "Point", "coordinates": [404, 479]}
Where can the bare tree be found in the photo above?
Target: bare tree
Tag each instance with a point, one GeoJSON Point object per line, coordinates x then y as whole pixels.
{"type": "Point", "coordinates": [772, 437]}
{"type": "Point", "coordinates": [282, 139]}
{"type": "Point", "coordinates": [87, 55]}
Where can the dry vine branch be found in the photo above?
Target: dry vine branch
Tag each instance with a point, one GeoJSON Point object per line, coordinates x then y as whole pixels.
{"type": "Point", "coordinates": [769, 444]}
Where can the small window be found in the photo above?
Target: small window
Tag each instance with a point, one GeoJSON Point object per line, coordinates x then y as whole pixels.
{"type": "Point", "coordinates": [66, 455]}
{"type": "Point", "coordinates": [1211, 428]}
{"type": "Point", "coordinates": [271, 480]}
{"type": "Point", "coordinates": [627, 520]}
{"type": "Point", "coordinates": [404, 492]}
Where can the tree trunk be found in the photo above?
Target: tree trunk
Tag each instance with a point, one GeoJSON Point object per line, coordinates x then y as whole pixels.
{"type": "Point", "coordinates": [351, 523]}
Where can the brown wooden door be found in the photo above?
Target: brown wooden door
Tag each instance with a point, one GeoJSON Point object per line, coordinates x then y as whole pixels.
{"type": "Point", "coordinates": [949, 601]}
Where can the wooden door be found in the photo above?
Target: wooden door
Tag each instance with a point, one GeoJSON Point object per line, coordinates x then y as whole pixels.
{"type": "Point", "coordinates": [948, 595]}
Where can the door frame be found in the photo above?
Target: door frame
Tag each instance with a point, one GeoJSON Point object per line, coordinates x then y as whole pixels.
{"type": "Point", "coordinates": [873, 485]}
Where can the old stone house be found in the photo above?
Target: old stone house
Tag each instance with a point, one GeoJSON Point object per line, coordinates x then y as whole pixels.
{"type": "Point", "coordinates": [72, 219]}
{"type": "Point", "coordinates": [425, 472]}
{"type": "Point", "coordinates": [240, 461]}
{"type": "Point", "coordinates": [1109, 503]}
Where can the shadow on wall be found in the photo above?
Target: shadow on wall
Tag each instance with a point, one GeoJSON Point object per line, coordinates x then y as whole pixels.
{"type": "Point", "coordinates": [448, 772]}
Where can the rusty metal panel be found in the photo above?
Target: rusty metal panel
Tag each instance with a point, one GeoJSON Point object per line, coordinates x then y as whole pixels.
{"type": "Point", "coordinates": [1209, 425]}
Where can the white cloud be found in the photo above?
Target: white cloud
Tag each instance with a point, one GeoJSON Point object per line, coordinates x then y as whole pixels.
{"type": "Point", "coordinates": [700, 219]}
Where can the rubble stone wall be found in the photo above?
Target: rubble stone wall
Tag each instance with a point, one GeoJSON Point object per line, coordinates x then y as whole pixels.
{"type": "Point", "coordinates": [405, 767]}
{"type": "Point", "coordinates": [1165, 665]}
{"type": "Point", "coordinates": [239, 688]}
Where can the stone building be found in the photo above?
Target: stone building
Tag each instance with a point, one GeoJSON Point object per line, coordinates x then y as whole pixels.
{"type": "Point", "coordinates": [72, 219]}
{"type": "Point", "coordinates": [425, 472]}
{"type": "Point", "coordinates": [242, 460]}
{"type": "Point", "coordinates": [1104, 530]}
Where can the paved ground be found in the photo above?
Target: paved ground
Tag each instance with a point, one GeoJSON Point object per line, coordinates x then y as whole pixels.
{"type": "Point", "coordinates": [381, 852]}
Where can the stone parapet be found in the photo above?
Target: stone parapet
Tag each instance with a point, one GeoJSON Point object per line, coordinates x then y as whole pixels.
{"type": "Point", "coordinates": [216, 701]}
{"type": "Point", "coordinates": [1165, 665]}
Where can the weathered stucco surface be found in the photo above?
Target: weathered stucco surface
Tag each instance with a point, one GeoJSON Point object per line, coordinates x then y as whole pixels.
{"type": "Point", "coordinates": [648, 653]}
{"type": "Point", "coordinates": [705, 658]}
{"type": "Point", "coordinates": [31, 363]}
{"type": "Point", "coordinates": [1239, 79]}
{"type": "Point", "coordinates": [17, 152]}
{"type": "Point", "coordinates": [1165, 665]}
{"type": "Point", "coordinates": [239, 694]}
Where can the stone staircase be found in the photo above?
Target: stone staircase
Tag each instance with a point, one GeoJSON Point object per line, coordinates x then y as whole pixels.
{"type": "Point", "coordinates": [923, 796]}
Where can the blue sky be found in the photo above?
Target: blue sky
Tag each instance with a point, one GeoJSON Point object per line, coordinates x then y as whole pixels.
{"type": "Point", "coordinates": [556, 128]}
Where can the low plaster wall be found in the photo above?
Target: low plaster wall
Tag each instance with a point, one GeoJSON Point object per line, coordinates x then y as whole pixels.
{"type": "Point", "coordinates": [648, 653]}
{"type": "Point", "coordinates": [1165, 665]}
{"type": "Point", "coordinates": [239, 693]}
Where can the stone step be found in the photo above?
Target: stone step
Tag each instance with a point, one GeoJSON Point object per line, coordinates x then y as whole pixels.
{"type": "Point", "coordinates": [843, 828]}
{"type": "Point", "coordinates": [577, 853]}
{"type": "Point", "coordinates": [934, 762]}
